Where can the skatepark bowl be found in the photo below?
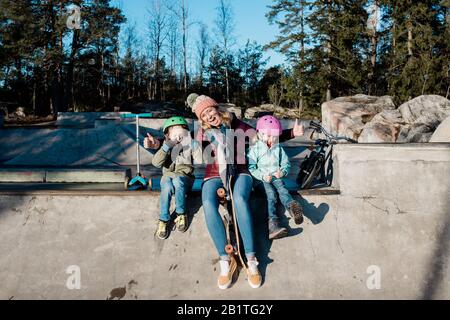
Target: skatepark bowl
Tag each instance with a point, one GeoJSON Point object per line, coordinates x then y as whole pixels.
{"type": "Point", "coordinates": [381, 231]}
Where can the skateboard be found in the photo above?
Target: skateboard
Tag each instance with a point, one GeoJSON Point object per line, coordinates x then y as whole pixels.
{"type": "Point", "coordinates": [233, 248]}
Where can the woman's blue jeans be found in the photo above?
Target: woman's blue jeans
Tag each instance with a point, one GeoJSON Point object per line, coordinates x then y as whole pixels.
{"type": "Point", "coordinates": [241, 194]}
{"type": "Point", "coordinates": [173, 186]}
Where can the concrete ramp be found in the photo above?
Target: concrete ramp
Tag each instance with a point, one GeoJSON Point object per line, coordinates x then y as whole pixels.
{"type": "Point", "coordinates": [111, 240]}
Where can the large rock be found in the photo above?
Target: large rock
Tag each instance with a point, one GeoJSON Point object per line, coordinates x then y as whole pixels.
{"type": "Point", "coordinates": [20, 112]}
{"type": "Point", "coordinates": [442, 133]}
{"type": "Point", "coordinates": [231, 108]}
{"type": "Point", "coordinates": [415, 133]}
{"type": "Point", "coordinates": [347, 116]}
{"type": "Point", "coordinates": [280, 112]}
{"type": "Point", "coordinates": [422, 115]}
{"type": "Point", "coordinates": [384, 127]}
{"type": "Point", "coordinates": [427, 109]}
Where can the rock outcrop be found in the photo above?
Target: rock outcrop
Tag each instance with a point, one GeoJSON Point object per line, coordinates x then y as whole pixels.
{"type": "Point", "coordinates": [347, 116]}
{"type": "Point", "coordinates": [277, 111]}
{"type": "Point", "coordinates": [376, 120]}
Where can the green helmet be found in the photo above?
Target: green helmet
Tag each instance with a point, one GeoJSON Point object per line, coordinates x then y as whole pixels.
{"type": "Point", "coordinates": [175, 121]}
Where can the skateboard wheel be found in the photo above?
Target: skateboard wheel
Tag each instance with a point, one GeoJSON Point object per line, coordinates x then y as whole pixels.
{"type": "Point", "coordinates": [150, 184]}
{"type": "Point", "coordinates": [229, 249]}
{"type": "Point", "coordinates": [221, 193]}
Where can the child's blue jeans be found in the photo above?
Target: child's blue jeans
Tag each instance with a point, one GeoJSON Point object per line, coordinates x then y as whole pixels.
{"type": "Point", "coordinates": [276, 187]}
{"type": "Point", "coordinates": [178, 186]}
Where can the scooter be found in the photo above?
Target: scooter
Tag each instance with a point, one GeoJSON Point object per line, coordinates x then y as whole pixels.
{"type": "Point", "coordinates": [138, 182]}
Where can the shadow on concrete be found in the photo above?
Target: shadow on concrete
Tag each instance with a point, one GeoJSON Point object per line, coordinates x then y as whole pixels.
{"type": "Point", "coordinates": [260, 221]}
{"type": "Point", "coordinates": [194, 203]}
{"type": "Point", "coordinates": [12, 204]}
{"type": "Point", "coordinates": [315, 214]}
{"type": "Point", "coordinates": [437, 266]}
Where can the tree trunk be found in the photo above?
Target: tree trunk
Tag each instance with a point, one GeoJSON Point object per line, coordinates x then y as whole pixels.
{"type": "Point", "coordinates": [184, 13]}
{"type": "Point", "coordinates": [328, 95]}
{"type": "Point", "coordinates": [70, 98]}
{"type": "Point", "coordinates": [227, 83]}
{"type": "Point", "coordinates": [410, 40]}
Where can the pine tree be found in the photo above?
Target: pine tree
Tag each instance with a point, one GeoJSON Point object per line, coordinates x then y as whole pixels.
{"type": "Point", "coordinates": [251, 64]}
{"type": "Point", "coordinates": [291, 18]}
{"type": "Point", "coordinates": [223, 69]}
{"type": "Point", "coordinates": [418, 52]}
{"type": "Point", "coordinates": [339, 30]}
{"type": "Point", "coordinates": [19, 35]}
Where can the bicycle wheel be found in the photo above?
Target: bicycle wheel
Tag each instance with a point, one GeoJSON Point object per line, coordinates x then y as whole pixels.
{"type": "Point", "coordinates": [311, 174]}
{"type": "Point", "coordinates": [309, 169]}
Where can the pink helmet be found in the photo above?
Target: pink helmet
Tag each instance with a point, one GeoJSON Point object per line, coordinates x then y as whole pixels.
{"type": "Point", "coordinates": [269, 125]}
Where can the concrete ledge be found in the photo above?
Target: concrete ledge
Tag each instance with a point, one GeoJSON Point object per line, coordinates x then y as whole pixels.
{"type": "Point", "coordinates": [111, 189]}
{"type": "Point", "coordinates": [87, 175]}
{"type": "Point", "coordinates": [396, 179]}
{"type": "Point", "coordinates": [22, 175]}
{"type": "Point", "coordinates": [32, 175]}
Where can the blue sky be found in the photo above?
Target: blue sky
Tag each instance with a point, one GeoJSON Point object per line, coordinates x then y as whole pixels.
{"type": "Point", "coordinates": [250, 21]}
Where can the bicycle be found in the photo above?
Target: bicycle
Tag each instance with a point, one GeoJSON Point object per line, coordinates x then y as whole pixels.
{"type": "Point", "coordinates": [317, 166]}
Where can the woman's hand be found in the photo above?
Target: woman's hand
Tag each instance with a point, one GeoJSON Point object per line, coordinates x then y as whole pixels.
{"type": "Point", "coordinates": [299, 129]}
{"type": "Point", "coordinates": [268, 179]}
{"type": "Point", "coordinates": [151, 142]}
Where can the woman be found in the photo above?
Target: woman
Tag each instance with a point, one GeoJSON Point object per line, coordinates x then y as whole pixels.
{"type": "Point", "coordinates": [211, 118]}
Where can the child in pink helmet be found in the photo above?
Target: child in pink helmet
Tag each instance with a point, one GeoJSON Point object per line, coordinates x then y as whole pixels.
{"type": "Point", "coordinates": [269, 164]}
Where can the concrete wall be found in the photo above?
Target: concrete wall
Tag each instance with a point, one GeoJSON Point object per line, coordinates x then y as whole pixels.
{"type": "Point", "coordinates": [392, 219]}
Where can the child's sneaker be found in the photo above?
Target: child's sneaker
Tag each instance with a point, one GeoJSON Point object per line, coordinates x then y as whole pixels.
{"type": "Point", "coordinates": [181, 223]}
{"type": "Point", "coordinates": [227, 270]}
{"type": "Point", "coordinates": [296, 211]}
{"type": "Point", "coordinates": [275, 231]}
{"type": "Point", "coordinates": [254, 277]}
{"type": "Point", "coordinates": [163, 231]}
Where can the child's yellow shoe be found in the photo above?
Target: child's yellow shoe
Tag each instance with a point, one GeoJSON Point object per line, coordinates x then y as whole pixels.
{"type": "Point", "coordinates": [163, 231]}
{"type": "Point", "coordinates": [181, 223]}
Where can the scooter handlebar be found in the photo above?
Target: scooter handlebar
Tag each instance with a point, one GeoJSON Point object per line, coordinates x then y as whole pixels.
{"type": "Point", "coordinates": [133, 115]}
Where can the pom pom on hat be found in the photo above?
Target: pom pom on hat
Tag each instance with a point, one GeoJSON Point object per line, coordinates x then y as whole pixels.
{"type": "Point", "coordinates": [190, 101]}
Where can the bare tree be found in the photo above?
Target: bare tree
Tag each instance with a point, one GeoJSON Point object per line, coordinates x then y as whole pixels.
{"type": "Point", "coordinates": [224, 29]}
{"type": "Point", "coordinates": [158, 32]}
{"type": "Point", "coordinates": [173, 45]}
{"type": "Point", "coordinates": [130, 42]}
{"type": "Point", "coordinates": [181, 12]}
{"type": "Point", "coordinates": [203, 48]}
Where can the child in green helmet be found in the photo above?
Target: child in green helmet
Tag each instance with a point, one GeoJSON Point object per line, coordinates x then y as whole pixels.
{"type": "Point", "coordinates": [176, 157]}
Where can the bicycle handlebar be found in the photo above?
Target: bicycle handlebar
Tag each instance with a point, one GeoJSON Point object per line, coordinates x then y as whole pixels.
{"type": "Point", "coordinates": [317, 127]}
